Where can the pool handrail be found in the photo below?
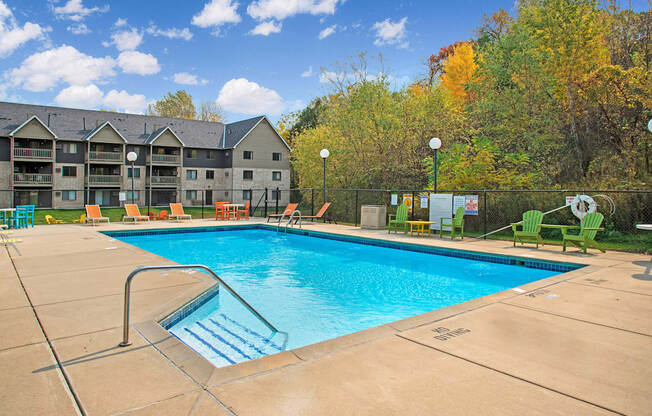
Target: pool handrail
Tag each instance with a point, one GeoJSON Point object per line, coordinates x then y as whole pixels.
{"type": "Point", "coordinates": [125, 329]}
{"type": "Point", "coordinates": [291, 218]}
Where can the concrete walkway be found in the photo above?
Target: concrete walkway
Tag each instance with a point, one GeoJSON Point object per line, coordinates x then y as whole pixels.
{"type": "Point", "coordinates": [576, 343]}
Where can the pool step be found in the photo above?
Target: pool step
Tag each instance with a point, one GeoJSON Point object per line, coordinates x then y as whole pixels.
{"type": "Point", "coordinates": [229, 341]}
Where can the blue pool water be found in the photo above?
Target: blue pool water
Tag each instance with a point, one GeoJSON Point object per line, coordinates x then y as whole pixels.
{"type": "Point", "coordinates": [314, 288]}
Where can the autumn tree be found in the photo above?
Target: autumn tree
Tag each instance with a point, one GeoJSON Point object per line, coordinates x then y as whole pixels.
{"type": "Point", "coordinates": [180, 105]}
{"type": "Point", "coordinates": [459, 71]}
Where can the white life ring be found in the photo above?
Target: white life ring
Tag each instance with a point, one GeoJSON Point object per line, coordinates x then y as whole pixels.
{"type": "Point", "coordinates": [582, 205]}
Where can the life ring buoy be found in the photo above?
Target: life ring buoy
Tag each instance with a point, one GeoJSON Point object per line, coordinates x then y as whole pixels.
{"type": "Point", "coordinates": [582, 205]}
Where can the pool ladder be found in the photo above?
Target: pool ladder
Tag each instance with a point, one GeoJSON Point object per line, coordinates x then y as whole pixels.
{"type": "Point", "coordinates": [296, 211]}
{"type": "Point", "coordinates": [125, 324]}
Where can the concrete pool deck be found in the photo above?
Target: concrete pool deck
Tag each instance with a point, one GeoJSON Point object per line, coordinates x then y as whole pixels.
{"type": "Point", "coordinates": [576, 343]}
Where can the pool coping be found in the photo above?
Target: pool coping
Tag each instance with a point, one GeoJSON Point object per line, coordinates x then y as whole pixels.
{"type": "Point", "coordinates": [152, 329]}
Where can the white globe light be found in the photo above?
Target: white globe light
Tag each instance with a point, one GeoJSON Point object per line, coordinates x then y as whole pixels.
{"type": "Point", "coordinates": [324, 153]}
{"type": "Point", "coordinates": [132, 156]}
{"type": "Point", "coordinates": [649, 125]}
{"type": "Point", "coordinates": [434, 143]}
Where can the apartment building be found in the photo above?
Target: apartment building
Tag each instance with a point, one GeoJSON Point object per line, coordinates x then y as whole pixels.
{"type": "Point", "coordinates": [64, 158]}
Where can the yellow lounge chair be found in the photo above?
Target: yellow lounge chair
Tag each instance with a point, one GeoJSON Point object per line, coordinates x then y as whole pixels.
{"type": "Point", "coordinates": [51, 220]}
{"type": "Point", "coordinates": [134, 213]}
{"type": "Point", "coordinates": [176, 212]}
{"type": "Point", "coordinates": [81, 219]}
{"type": "Point", "coordinates": [93, 214]}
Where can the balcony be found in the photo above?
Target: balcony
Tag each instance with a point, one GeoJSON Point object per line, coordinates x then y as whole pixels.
{"type": "Point", "coordinates": [110, 180]}
{"type": "Point", "coordinates": [106, 157]}
{"type": "Point", "coordinates": [32, 179]}
{"type": "Point", "coordinates": [163, 180]}
{"type": "Point", "coordinates": [164, 159]}
{"type": "Point", "coordinates": [32, 154]}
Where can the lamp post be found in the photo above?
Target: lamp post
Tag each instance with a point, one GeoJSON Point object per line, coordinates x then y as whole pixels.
{"type": "Point", "coordinates": [324, 155]}
{"type": "Point", "coordinates": [131, 157]}
{"type": "Point", "coordinates": [434, 144]}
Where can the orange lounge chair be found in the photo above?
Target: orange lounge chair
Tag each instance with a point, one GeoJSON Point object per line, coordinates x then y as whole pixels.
{"type": "Point", "coordinates": [177, 212]}
{"type": "Point", "coordinates": [287, 212]}
{"type": "Point", "coordinates": [134, 213]}
{"type": "Point", "coordinates": [244, 213]}
{"type": "Point", "coordinates": [93, 214]}
{"type": "Point", "coordinates": [163, 215]}
{"type": "Point", "coordinates": [319, 215]}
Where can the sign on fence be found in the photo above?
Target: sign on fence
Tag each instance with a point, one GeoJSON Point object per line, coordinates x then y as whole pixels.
{"type": "Point", "coordinates": [440, 206]}
{"type": "Point", "coordinates": [423, 201]}
{"type": "Point", "coordinates": [468, 202]}
{"type": "Point", "coordinates": [407, 200]}
{"type": "Point", "coordinates": [394, 199]}
{"type": "Point", "coordinates": [122, 196]}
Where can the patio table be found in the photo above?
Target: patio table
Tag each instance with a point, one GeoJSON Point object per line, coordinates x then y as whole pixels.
{"type": "Point", "coordinates": [4, 212]}
{"type": "Point", "coordinates": [233, 207]}
{"type": "Point", "coordinates": [419, 227]}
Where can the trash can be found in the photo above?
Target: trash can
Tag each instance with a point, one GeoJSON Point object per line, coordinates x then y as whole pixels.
{"type": "Point", "coordinates": [373, 217]}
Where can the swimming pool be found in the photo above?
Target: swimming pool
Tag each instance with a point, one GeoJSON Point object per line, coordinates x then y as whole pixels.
{"type": "Point", "coordinates": [316, 286]}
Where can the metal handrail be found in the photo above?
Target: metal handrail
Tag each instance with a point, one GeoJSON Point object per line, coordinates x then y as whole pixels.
{"type": "Point", "coordinates": [291, 218]}
{"type": "Point", "coordinates": [125, 329]}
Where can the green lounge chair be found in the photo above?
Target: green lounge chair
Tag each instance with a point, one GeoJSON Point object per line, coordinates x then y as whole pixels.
{"type": "Point", "coordinates": [456, 223]}
{"type": "Point", "coordinates": [530, 228]}
{"type": "Point", "coordinates": [400, 219]}
{"type": "Point", "coordinates": [589, 227]}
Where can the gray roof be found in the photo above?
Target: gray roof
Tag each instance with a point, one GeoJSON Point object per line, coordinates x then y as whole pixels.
{"type": "Point", "coordinates": [69, 123]}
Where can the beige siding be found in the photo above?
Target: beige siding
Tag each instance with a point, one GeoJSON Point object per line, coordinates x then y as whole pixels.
{"type": "Point", "coordinates": [263, 141]}
{"type": "Point", "coordinates": [34, 130]}
{"type": "Point", "coordinates": [167, 139]}
{"type": "Point", "coordinates": [5, 184]}
{"type": "Point", "coordinates": [60, 182]}
{"type": "Point", "coordinates": [107, 135]}
{"type": "Point", "coordinates": [59, 203]}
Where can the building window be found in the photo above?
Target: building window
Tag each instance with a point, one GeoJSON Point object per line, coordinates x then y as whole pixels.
{"type": "Point", "coordinates": [247, 174]}
{"type": "Point", "coordinates": [226, 173]}
{"type": "Point", "coordinates": [246, 195]}
{"type": "Point", "coordinates": [276, 195]}
{"type": "Point", "coordinates": [135, 198]}
{"type": "Point", "coordinates": [248, 155]}
{"type": "Point", "coordinates": [191, 194]}
{"type": "Point", "coordinates": [276, 175]}
{"type": "Point", "coordinates": [210, 154]}
{"type": "Point", "coordinates": [210, 174]}
{"type": "Point", "coordinates": [69, 195]}
{"type": "Point", "coordinates": [191, 154]}
{"type": "Point", "coordinates": [69, 171]}
{"type": "Point", "coordinates": [69, 147]}
{"type": "Point", "coordinates": [136, 172]}
{"type": "Point", "coordinates": [191, 174]}
{"type": "Point", "coordinates": [277, 156]}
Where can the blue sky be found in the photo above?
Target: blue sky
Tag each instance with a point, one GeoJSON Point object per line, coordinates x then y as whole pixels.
{"type": "Point", "coordinates": [251, 56]}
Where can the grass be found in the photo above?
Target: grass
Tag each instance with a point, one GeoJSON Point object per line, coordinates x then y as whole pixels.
{"type": "Point", "coordinates": [633, 243]}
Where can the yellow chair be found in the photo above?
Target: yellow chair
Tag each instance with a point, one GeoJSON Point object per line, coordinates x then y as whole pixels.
{"type": "Point", "coordinates": [51, 220]}
{"type": "Point", "coordinates": [81, 219]}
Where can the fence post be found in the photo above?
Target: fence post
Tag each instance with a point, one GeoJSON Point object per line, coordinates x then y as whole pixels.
{"type": "Point", "coordinates": [251, 195]}
{"type": "Point", "coordinates": [484, 221]}
{"type": "Point", "coordinates": [312, 202]}
{"type": "Point", "coordinates": [265, 202]}
{"type": "Point", "coordinates": [276, 200]}
{"type": "Point", "coordinates": [203, 201]}
{"type": "Point", "coordinates": [356, 208]}
{"type": "Point", "coordinates": [413, 207]}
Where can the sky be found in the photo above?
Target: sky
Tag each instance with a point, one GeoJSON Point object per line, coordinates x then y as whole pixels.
{"type": "Point", "coordinates": [251, 57]}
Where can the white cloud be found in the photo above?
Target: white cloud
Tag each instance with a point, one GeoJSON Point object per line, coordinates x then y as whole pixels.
{"type": "Point", "coordinates": [388, 33]}
{"type": "Point", "coordinates": [281, 9]}
{"type": "Point", "coordinates": [12, 36]}
{"type": "Point", "coordinates": [267, 28]}
{"type": "Point", "coordinates": [246, 97]}
{"type": "Point", "coordinates": [188, 79]}
{"type": "Point", "coordinates": [120, 22]}
{"type": "Point", "coordinates": [327, 32]}
{"type": "Point", "coordinates": [126, 40]}
{"type": "Point", "coordinates": [123, 101]}
{"type": "Point", "coordinates": [78, 29]}
{"type": "Point", "coordinates": [76, 11]}
{"type": "Point", "coordinates": [217, 13]}
{"type": "Point", "coordinates": [134, 62]}
{"type": "Point", "coordinates": [172, 33]}
{"type": "Point", "coordinates": [327, 77]}
{"type": "Point", "coordinates": [308, 73]}
{"type": "Point", "coordinates": [44, 70]}
{"type": "Point", "coordinates": [80, 96]}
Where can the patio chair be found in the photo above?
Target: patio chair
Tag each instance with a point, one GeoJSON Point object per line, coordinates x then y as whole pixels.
{"type": "Point", "coordinates": [399, 222]}
{"type": "Point", "coordinates": [221, 213]}
{"type": "Point", "coordinates": [289, 209]}
{"type": "Point", "coordinates": [19, 218]}
{"type": "Point", "coordinates": [93, 214]}
{"type": "Point", "coordinates": [163, 215]}
{"type": "Point", "coordinates": [530, 228]}
{"type": "Point", "coordinates": [456, 223]}
{"type": "Point", "coordinates": [589, 227]}
{"type": "Point", "coordinates": [176, 212]}
{"type": "Point", "coordinates": [80, 220]}
{"type": "Point", "coordinates": [319, 215]}
{"type": "Point", "coordinates": [134, 213]}
{"type": "Point", "coordinates": [51, 220]}
{"type": "Point", "coordinates": [244, 213]}
{"type": "Point", "coordinates": [30, 214]}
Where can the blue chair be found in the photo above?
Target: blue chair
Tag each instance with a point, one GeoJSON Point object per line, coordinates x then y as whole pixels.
{"type": "Point", "coordinates": [30, 214]}
{"type": "Point", "coordinates": [19, 219]}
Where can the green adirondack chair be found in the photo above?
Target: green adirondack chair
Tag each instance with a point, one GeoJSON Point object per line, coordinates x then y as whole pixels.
{"type": "Point", "coordinates": [589, 227]}
{"type": "Point", "coordinates": [530, 228]}
{"type": "Point", "coordinates": [455, 223]}
{"type": "Point", "coordinates": [399, 220]}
